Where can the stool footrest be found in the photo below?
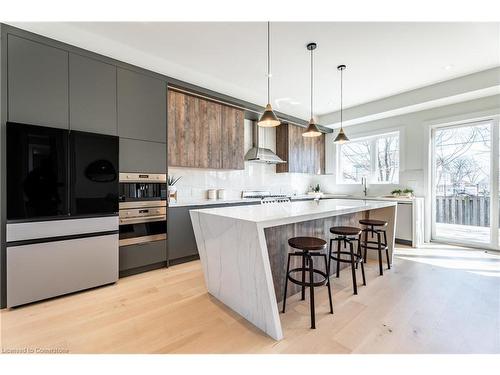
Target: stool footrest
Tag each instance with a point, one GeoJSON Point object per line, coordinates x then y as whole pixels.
{"type": "Point", "coordinates": [365, 245]}
{"type": "Point", "coordinates": [357, 258]}
{"type": "Point", "coordinates": [307, 283]}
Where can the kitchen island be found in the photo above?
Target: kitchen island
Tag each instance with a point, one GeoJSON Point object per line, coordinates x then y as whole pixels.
{"type": "Point", "coordinates": [243, 249]}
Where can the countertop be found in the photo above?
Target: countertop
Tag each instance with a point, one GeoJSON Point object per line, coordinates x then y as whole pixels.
{"type": "Point", "coordinates": [202, 202]}
{"type": "Point", "coordinates": [279, 214]}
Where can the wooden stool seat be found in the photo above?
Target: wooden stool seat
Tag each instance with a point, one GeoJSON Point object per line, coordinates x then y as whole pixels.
{"type": "Point", "coordinates": [373, 222]}
{"type": "Point", "coordinates": [307, 243]}
{"type": "Point", "coordinates": [346, 231]}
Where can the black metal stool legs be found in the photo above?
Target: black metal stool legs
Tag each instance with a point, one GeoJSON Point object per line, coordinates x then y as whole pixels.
{"type": "Point", "coordinates": [327, 268]}
{"type": "Point", "coordinates": [286, 281]}
{"type": "Point", "coordinates": [353, 269]}
{"type": "Point", "coordinates": [311, 290]}
{"type": "Point", "coordinates": [379, 244]}
{"type": "Point", "coordinates": [303, 282]}
{"type": "Point", "coordinates": [387, 250]}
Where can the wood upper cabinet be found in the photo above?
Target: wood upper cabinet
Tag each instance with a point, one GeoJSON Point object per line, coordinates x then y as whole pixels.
{"type": "Point", "coordinates": [203, 134]}
{"type": "Point", "coordinates": [303, 155]}
{"type": "Point", "coordinates": [37, 77]}
{"type": "Point", "coordinates": [232, 138]}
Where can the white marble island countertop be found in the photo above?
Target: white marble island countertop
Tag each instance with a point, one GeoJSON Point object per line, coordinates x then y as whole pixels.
{"type": "Point", "coordinates": [242, 249]}
{"type": "Point", "coordinates": [284, 213]}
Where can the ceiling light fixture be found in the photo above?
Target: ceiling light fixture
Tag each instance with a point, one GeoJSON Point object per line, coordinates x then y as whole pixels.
{"type": "Point", "coordinates": [268, 118]}
{"type": "Point", "coordinates": [341, 137]}
{"type": "Point", "coordinates": [312, 129]}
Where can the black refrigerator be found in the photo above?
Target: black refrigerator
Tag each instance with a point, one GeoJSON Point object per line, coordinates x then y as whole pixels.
{"type": "Point", "coordinates": [62, 211]}
{"type": "Point", "coordinates": [54, 173]}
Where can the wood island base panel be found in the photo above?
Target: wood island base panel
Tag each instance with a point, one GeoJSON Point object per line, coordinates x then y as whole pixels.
{"type": "Point", "coordinates": [243, 249]}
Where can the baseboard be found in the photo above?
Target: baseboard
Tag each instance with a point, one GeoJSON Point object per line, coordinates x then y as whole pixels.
{"type": "Point", "coordinates": [149, 267]}
{"type": "Point", "coordinates": [190, 258]}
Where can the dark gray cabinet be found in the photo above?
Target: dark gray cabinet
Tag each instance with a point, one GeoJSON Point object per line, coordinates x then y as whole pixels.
{"type": "Point", "coordinates": [181, 240]}
{"type": "Point", "coordinates": [37, 83]}
{"type": "Point", "coordinates": [92, 95]}
{"type": "Point", "coordinates": [142, 106]}
{"type": "Point", "coordinates": [142, 255]}
{"type": "Point", "coordinates": [142, 156]}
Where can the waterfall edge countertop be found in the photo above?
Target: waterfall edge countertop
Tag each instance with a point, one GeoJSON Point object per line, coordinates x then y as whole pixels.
{"type": "Point", "coordinates": [285, 213]}
{"type": "Point", "coordinates": [242, 249]}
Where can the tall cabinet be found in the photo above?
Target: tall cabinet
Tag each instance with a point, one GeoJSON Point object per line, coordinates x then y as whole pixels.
{"type": "Point", "coordinates": [203, 133]}
{"type": "Point", "coordinates": [37, 83]}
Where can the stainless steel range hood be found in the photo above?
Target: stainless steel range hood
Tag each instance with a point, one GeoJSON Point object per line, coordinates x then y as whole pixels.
{"type": "Point", "coordinates": [260, 154]}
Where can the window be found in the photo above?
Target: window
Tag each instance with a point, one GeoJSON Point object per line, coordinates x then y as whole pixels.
{"type": "Point", "coordinates": [376, 158]}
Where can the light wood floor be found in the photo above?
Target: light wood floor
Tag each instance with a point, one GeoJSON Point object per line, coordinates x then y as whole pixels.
{"type": "Point", "coordinates": [434, 300]}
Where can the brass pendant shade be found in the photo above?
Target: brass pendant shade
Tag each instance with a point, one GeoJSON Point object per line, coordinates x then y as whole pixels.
{"type": "Point", "coordinates": [312, 130]}
{"type": "Point", "coordinates": [268, 118]}
{"type": "Point", "coordinates": [341, 138]}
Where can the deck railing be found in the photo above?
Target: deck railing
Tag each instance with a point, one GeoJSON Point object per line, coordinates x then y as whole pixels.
{"type": "Point", "coordinates": [463, 210]}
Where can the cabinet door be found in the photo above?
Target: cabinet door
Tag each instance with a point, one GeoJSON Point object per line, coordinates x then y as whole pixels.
{"type": "Point", "coordinates": [212, 149]}
{"type": "Point", "coordinates": [304, 155]}
{"type": "Point", "coordinates": [404, 223]}
{"type": "Point", "coordinates": [142, 107]}
{"type": "Point", "coordinates": [44, 270]}
{"type": "Point", "coordinates": [181, 240]}
{"type": "Point", "coordinates": [232, 138]}
{"type": "Point", "coordinates": [92, 99]}
{"type": "Point", "coordinates": [37, 83]}
{"type": "Point", "coordinates": [141, 255]}
{"type": "Point", "coordinates": [142, 156]}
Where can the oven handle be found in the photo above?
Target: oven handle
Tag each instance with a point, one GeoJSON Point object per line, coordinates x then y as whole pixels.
{"type": "Point", "coordinates": [144, 219]}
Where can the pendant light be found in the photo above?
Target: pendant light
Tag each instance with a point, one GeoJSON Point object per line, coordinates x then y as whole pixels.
{"type": "Point", "coordinates": [341, 137]}
{"type": "Point", "coordinates": [268, 118]}
{"type": "Point", "coordinates": [312, 129]}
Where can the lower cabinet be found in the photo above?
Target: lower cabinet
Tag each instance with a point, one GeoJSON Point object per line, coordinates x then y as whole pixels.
{"type": "Point", "coordinates": [142, 257]}
{"type": "Point", "coordinates": [181, 241]}
{"type": "Point", "coordinates": [49, 269]}
{"type": "Point", "coordinates": [404, 223]}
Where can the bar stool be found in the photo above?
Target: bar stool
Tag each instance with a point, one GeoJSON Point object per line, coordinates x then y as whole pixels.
{"type": "Point", "coordinates": [377, 227]}
{"type": "Point", "coordinates": [308, 248]}
{"type": "Point", "coordinates": [348, 235]}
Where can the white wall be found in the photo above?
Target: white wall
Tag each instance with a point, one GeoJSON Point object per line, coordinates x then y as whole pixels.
{"type": "Point", "coordinates": [256, 176]}
{"type": "Point", "coordinates": [414, 143]}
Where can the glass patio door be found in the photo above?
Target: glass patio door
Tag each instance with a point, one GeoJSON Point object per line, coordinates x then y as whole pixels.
{"type": "Point", "coordinates": [465, 181]}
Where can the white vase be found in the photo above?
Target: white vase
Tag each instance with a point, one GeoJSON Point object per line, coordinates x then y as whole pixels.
{"type": "Point", "coordinates": [172, 189]}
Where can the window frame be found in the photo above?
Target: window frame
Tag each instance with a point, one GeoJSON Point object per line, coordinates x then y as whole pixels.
{"type": "Point", "coordinates": [372, 179]}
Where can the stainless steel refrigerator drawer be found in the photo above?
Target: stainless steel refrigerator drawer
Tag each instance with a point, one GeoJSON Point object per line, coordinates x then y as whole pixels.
{"type": "Point", "coordinates": [48, 269]}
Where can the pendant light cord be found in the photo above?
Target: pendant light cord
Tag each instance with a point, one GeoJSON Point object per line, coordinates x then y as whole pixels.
{"type": "Point", "coordinates": [341, 91]}
{"type": "Point", "coordinates": [268, 63]}
{"type": "Point", "coordinates": [312, 83]}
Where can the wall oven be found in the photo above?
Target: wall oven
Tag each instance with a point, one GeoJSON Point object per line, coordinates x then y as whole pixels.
{"type": "Point", "coordinates": [143, 208]}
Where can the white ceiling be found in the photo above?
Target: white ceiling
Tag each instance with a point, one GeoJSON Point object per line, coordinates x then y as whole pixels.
{"type": "Point", "coordinates": [382, 59]}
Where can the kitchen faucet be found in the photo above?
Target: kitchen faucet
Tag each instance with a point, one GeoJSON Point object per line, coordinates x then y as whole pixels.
{"type": "Point", "coordinates": [363, 182]}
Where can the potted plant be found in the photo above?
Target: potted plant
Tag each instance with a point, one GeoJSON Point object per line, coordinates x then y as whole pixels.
{"type": "Point", "coordinates": [396, 193]}
{"type": "Point", "coordinates": [408, 192]}
{"type": "Point", "coordinates": [315, 190]}
{"type": "Point", "coordinates": [171, 181]}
